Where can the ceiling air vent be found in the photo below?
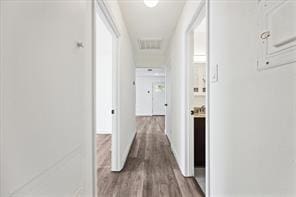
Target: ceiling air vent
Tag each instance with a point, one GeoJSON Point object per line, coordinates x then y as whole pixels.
{"type": "Point", "coordinates": [149, 44]}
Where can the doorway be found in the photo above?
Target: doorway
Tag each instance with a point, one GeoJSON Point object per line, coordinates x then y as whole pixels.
{"type": "Point", "coordinates": [197, 97]}
{"type": "Point", "coordinates": [150, 92]}
{"type": "Point", "coordinates": [106, 134]}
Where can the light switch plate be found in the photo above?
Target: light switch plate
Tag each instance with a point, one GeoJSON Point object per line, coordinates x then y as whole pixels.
{"type": "Point", "coordinates": [215, 74]}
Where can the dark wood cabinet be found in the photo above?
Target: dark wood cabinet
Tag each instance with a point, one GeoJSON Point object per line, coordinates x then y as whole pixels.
{"type": "Point", "coordinates": [199, 142]}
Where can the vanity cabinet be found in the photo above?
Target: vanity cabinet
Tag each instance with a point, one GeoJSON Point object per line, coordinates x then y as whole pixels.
{"type": "Point", "coordinates": [199, 142]}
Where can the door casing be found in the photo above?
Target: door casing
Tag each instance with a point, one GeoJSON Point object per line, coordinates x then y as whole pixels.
{"type": "Point", "coordinates": [201, 12]}
{"type": "Point", "coordinates": [102, 9]}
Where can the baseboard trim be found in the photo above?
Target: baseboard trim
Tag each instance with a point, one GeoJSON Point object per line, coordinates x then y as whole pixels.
{"type": "Point", "coordinates": [126, 153]}
{"type": "Point", "coordinates": [176, 156]}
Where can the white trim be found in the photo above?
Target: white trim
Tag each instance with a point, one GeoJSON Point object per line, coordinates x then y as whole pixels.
{"type": "Point", "coordinates": [116, 106]}
{"type": "Point", "coordinates": [178, 159]}
{"type": "Point", "coordinates": [107, 18]}
{"type": "Point", "coordinates": [189, 154]}
{"type": "Point", "coordinates": [93, 135]}
{"type": "Point", "coordinates": [1, 101]}
{"type": "Point", "coordinates": [175, 153]}
{"type": "Point", "coordinates": [208, 131]}
{"type": "Point", "coordinates": [125, 154]}
{"type": "Point", "coordinates": [189, 136]}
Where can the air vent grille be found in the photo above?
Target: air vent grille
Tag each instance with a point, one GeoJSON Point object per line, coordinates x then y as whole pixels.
{"type": "Point", "coordinates": [149, 44]}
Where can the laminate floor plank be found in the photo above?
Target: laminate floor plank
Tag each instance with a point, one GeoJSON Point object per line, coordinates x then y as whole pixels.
{"type": "Point", "coordinates": [150, 170]}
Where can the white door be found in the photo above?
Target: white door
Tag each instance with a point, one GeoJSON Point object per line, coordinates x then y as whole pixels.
{"type": "Point", "coordinates": [143, 97]}
{"type": "Point", "coordinates": [46, 102]}
{"type": "Point", "coordinates": [158, 99]}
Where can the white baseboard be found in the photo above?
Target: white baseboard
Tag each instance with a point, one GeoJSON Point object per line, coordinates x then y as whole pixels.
{"type": "Point", "coordinates": [126, 152]}
{"type": "Point", "coordinates": [177, 157]}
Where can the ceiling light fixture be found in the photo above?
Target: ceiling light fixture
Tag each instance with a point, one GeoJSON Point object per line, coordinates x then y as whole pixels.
{"type": "Point", "coordinates": [151, 3]}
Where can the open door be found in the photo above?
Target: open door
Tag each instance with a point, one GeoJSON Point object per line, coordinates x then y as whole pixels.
{"type": "Point", "coordinates": [196, 97]}
{"type": "Point", "coordinates": [107, 80]}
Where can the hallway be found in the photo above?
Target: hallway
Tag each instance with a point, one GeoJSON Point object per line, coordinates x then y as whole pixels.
{"type": "Point", "coordinates": [151, 169]}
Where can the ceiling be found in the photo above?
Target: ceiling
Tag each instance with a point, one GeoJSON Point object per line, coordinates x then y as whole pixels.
{"type": "Point", "coordinates": [154, 26]}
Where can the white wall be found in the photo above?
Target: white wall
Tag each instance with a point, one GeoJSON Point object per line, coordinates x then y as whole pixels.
{"type": "Point", "coordinates": [253, 133]}
{"type": "Point", "coordinates": [104, 78]}
{"type": "Point", "coordinates": [200, 39]}
{"type": "Point", "coordinates": [46, 98]}
{"type": "Point", "coordinates": [151, 60]}
{"type": "Point", "coordinates": [127, 94]}
{"type": "Point", "coordinates": [144, 105]}
{"type": "Point", "coordinates": [252, 122]}
{"type": "Point", "coordinates": [177, 83]}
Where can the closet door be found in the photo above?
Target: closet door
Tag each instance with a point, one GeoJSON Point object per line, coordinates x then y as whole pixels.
{"type": "Point", "coordinates": [158, 99]}
{"type": "Point", "coordinates": [277, 33]}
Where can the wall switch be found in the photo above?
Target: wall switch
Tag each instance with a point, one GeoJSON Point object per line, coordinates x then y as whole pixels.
{"type": "Point", "coordinates": [214, 74]}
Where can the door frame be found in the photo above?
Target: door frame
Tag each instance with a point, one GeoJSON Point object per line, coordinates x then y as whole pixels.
{"type": "Point", "coordinates": [201, 12]}
{"type": "Point", "coordinates": [1, 100]}
{"type": "Point", "coordinates": [101, 10]}
{"type": "Point", "coordinates": [167, 98]}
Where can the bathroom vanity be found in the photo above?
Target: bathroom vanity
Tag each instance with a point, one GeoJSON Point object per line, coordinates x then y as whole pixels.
{"type": "Point", "coordinates": [199, 141]}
